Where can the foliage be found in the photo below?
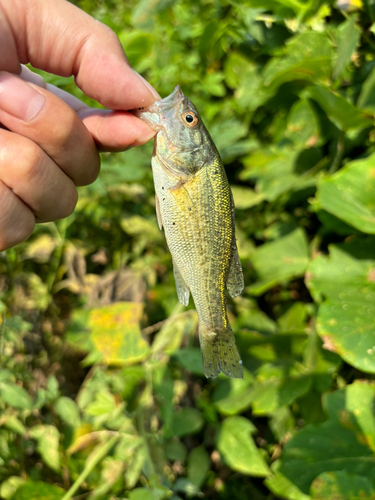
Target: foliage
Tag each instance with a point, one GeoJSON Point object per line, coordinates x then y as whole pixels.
{"type": "Point", "coordinates": [102, 394]}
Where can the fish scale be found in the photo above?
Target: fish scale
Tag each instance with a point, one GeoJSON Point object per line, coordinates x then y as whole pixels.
{"type": "Point", "coordinates": [195, 207]}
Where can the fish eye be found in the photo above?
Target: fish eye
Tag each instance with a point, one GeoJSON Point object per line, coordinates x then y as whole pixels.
{"type": "Point", "coordinates": [190, 118]}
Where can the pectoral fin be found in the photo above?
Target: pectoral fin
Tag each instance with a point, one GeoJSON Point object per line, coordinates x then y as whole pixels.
{"type": "Point", "coordinates": [235, 283]}
{"type": "Point", "coordinates": [181, 287]}
{"type": "Point", "coordinates": [158, 214]}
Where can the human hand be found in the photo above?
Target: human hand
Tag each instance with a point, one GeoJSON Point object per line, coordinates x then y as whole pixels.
{"type": "Point", "coordinates": [49, 141]}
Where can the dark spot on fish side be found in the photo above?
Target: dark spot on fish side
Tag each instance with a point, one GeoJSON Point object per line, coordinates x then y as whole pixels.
{"type": "Point", "coordinates": [163, 199]}
{"type": "Point", "coordinates": [174, 223]}
{"type": "Point", "coordinates": [189, 209]}
{"type": "Point", "coordinates": [162, 187]}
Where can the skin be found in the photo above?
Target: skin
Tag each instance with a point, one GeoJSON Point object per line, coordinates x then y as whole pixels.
{"type": "Point", "coordinates": [49, 140]}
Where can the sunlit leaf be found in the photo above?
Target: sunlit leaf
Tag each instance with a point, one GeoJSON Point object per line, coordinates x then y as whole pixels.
{"type": "Point", "coordinates": [48, 438]}
{"type": "Point", "coordinates": [350, 194]}
{"type": "Point", "coordinates": [37, 490]}
{"type": "Point", "coordinates": [344, 285]}
{"type": "Point", "coordinates": [113, 332]}
{"type": "Point", "coordinates": [238, 449]}
{"type": "Point", "coordinates": [341, 485]}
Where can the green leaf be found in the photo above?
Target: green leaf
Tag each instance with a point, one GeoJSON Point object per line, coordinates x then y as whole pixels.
{"type": "Point", "coordinates": [279, 261]}
{"type": "Point", "coordinates": [68, 411]}
{"type": "Point", "coordinates": [238, 449]}
{"type": "Point", "coordinates": [342, 113]}
{"type": "Point", "coordinates": [175, 450]}
{"type": "Point", "coordinates": [307, 56]}
{"type": "Point", "coordinates": [142, 494]}
{"type": "Point", "coordinates": [340, 443]}
{"type": "Point", "coordinates": [366, 99]}
{"type": "Point", "coordinates": [185, 421]}
{"type": "Point", "coordinates": [282, 486]}
{"type": "Point", "coordinates": [190, 358]}
{"type": "Point", "coordinates": [349, 194]}
{"type": "Point", "coordinates": [345, 320]}
{"type": "Point", "coordinates": [48, 438]}
{"type": "Point", "coordinates": [273, 394]}
{"type": "Point", "coordinates": [198, 465]}
{"type": "Point", "coordinates": [279, 170]}
{"type": "Point", "coordinates": [15, 396]}
{"type": "Point", "coordinates": [10, 485]}
{"type": "Point", "coordinates": [349, 35]}
{"type": "Point", "coordinates": [303, 126]}
{"type": "Point", "coordinates": [245, 197]}
{"type": "Point", "coordinates": [341, 485]}
{"type": "Point", "coordinates": [37, 490]}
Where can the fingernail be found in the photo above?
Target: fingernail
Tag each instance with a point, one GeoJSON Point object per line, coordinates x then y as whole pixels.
{"type": "Point", "coordinates": [19, 99]}
{"type": "Point", "coordinates": [149, 86]}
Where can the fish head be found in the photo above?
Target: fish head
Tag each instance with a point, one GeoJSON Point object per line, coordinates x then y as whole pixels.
{"type": "Point", "coordinates": [182, 141]}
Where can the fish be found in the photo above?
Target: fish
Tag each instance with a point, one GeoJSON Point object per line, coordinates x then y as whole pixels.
{"type": "Point", "coordinates": [195, 206]}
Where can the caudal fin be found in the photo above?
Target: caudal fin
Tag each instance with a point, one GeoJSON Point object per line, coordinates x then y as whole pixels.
{"type": "Point", "coordinates": [220, 354]}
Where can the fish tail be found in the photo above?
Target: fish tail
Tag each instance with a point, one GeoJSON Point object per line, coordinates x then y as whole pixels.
{"type": "Point", "coordinates": [220, 354]}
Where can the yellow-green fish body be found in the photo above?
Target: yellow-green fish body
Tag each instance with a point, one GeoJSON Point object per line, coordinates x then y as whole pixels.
{"type": "Point", "coordinates": [195, 207]}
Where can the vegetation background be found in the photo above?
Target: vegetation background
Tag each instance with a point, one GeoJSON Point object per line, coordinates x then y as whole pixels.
{"type": "Point", "coordinates": [102, 394]}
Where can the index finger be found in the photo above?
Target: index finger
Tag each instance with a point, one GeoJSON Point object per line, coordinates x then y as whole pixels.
{"type": "Point", "coordinates": [57, 37]}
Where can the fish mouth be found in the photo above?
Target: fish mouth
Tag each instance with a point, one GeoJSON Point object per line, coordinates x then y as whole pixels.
{"type": "Point", "coordinates": [160, 111]}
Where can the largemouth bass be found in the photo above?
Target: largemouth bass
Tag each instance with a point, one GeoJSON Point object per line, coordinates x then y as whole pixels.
{"type": "Point", "coordinates": [194, 204]}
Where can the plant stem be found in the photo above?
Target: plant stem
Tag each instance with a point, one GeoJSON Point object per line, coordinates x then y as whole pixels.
{"type": "Point", "coordinates": [90, 467]}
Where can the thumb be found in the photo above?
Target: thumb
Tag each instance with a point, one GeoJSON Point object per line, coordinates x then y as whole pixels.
{"type": "Point", "coordinates": [57, 37]}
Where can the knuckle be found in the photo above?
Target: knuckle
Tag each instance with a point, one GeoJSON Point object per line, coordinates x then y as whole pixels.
{"type": "Point", "coordinates": [91, 173]}
{"type": "Point", "coordinates": [69, 203]}
{"type": "Point", "coordinates": [64, 131]}
{"type": "Point", "coordinates": [16, 221]}
{"type": "Point", "coordinates": [27, 161]}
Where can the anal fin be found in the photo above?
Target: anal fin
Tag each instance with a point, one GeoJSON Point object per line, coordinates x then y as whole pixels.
{"type": "Point", "coordinates": [181, 287]}
{"type": "Point", "coordinates": [235, 283]}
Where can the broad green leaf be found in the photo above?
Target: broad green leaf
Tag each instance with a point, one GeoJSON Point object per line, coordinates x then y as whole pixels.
{"type": "Point", "coordinates": [37, 490]}
{"type": "Point", "coordinates": [340, 443]}
{"type": "Point", "coordinates": [15, 396]}
{"type": "Point", "coordinates": [245, 197]}
{"type": "Point", "coordinates": [279, 170]}
{"type": "Point", "coordinates": [350, 194]}
{"type": "Point", "coordinates": [282, 486]}
{"type": "Point", "coordinates": [273, 394]}
{"type": "Point", "coordinates": [185, 421]}
{"type": "Point", "coordinates": [279, 261]}
{"type": "Point", "coordinates": [111, 332]}
{"type": "Point", "coordinates": [198, 465]}
{"type": "Point", "coordinates": [48, 438]}
{"type": "Point", "coordinates": [142, 494]}
{"type": "Point", "coordinates": [349, 35]}
{"type": "Point", "coordinates": [234, 396]}
{"type": "Point", "coordinates": [341, 485]}
{"type": "Point", "coordinates": [238, 449]}
{"type": "Point", "coordinates": [68, 411]}
{"type": "Point", "coordinates": [307, 56]}
{"type": "Point", "coordinates": [342, 113]}
{"type": "Point", "coordinates": [303, 125]}
{"type": "Point", "coordinates": [346, 281]}
{"type": "Point", "coordinates": [190, 358]}
{"type": "Point", "coordinates": [175, 450]}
